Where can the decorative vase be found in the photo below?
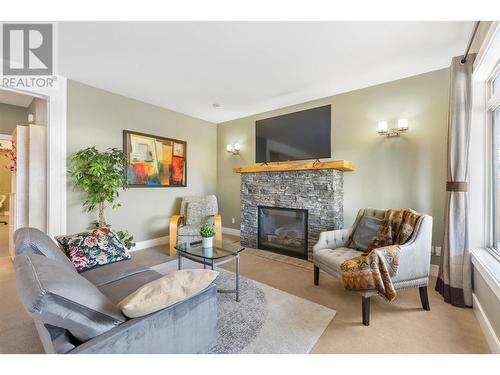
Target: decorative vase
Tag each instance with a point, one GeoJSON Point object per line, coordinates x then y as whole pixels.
{"type": "Point", "coordinates": [207, 242]}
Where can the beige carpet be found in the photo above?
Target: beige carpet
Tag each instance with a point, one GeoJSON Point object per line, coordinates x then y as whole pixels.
{"type": "Point", "coordinates": [397, 327]}
{"type": "Point", "coordinates": [4, 239]}
{"type": "Point", "coordinates": [17, 331]}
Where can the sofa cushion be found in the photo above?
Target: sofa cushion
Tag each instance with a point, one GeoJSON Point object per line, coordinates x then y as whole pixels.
{"type": "Point", "coordinates": [54, 294]}
{"type": "Point", "coordinates": [365, 231]}
{"type": "Point", "coordinates": [331, 259]}
{"type": "Point", "coordinates": [166, 291]}
{"type": "Point", "coordinates": [113, 272]}
{"type": "Point", "coordinates": [118, 290]}
{"type": "Point", "coordinates": [93, 248]}
{"type": "Point", "coordinates": [34, 241]}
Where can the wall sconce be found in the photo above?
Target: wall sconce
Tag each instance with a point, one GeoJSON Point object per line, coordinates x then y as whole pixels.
{"type": "Point", "coordinates": [233, 148]}
{"type": "Point", "coordinates": [394, 132]}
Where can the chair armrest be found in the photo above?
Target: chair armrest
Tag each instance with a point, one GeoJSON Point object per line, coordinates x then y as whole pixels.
{"type": "Point", "coordinates": [175, 221]}
{"type": "Point", "coordinates": [415, 255]}
{"type": "Point", "coordinates": [333, 239]}
{"type": "Point", "coordinates": [218, 227]}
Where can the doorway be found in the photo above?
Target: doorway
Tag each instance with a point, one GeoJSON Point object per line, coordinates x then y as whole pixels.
{"type": "Point", "coordinates": [23, 164]}
{"type": "Point", "coordinates": [5, 190]}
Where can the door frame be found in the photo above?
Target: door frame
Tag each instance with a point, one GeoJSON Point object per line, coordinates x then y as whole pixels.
{"type": "Point", "coordinates": [56, 153]}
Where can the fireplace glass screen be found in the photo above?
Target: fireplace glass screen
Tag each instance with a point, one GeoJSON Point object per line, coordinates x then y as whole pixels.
{"type": "Point", "coordinates": [283, 230]}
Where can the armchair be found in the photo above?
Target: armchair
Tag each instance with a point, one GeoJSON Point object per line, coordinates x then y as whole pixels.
{"type": "Point", "coordinates": [195, 211]}
{"type": "Point", "coordinates": [332, 250]}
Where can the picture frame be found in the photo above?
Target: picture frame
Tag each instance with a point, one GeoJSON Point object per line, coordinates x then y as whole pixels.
{"type": "Point", "coordinates": [154, 161]}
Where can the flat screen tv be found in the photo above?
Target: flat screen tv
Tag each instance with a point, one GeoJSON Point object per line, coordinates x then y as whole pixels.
{"type": "Point", "coordinates": [300, 135]}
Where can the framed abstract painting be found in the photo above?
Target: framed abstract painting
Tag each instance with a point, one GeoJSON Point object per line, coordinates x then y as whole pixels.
{"type": "Point", "coordinates": [154, 161]}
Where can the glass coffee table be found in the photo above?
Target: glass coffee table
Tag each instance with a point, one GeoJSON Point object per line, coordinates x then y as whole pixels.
{"type": "Point", "coordinates": [220, 253]}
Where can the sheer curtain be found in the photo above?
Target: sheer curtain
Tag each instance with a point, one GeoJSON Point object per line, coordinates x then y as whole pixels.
{"type": "Point", "coordinates": [455, 277]}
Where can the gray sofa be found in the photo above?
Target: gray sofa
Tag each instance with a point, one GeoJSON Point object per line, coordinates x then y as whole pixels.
{"type": "Point", "coordinates": [77, 313]}
{"type": "Point", "coordinates": [332, 249]}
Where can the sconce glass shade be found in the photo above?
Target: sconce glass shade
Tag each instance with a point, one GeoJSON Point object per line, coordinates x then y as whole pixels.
{"type": "Point", "coordinates": [403, 124]}
{"type": "Point", "coordinates": [382, 126]}
{"type": "Point", "coordinates": [233, 149]}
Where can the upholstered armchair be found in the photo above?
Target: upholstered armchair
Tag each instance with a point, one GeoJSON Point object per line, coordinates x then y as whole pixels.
{"type": "Point", "coordinates": [195, 211]}
{"type": "Point", "coordinates": [332, 250]}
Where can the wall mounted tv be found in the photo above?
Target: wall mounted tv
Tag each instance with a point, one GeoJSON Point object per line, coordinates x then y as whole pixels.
{"type": "Point", "coordinates": [300, 135]}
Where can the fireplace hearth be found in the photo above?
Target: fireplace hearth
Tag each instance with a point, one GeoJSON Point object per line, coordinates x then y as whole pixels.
{"type": "Point", "coordinates": [283, 230]}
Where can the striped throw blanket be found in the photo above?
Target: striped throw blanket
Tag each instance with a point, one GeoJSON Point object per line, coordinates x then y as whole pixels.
{"type": "Point", "coordinates": [373, 270]}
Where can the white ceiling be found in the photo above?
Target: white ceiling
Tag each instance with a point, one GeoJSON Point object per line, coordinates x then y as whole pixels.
{"type": "Point", "coordinates": [15, 98]}
{"type": "Point", "coordinates": [250, 67]}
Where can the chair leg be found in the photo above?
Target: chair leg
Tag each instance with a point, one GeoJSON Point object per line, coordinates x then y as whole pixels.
{"type": "Point", "coordinates": [365, 303]}
{"type": "Point", "coordinates": [316, 275]}
{"type": "Point", "coordinates": [424, 298]}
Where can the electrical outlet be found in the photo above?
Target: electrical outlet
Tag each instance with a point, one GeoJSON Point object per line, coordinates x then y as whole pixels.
{"type": "Point", "coordinates": [233, 220]}
{"type": "Point", "coordinates": [437, 250]}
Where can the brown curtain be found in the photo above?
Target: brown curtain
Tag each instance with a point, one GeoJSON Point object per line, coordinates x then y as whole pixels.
{"type": "Point", "coordinates": [455, 278]}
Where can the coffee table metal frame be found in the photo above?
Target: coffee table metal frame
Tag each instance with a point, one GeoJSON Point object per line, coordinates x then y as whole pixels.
{"type": "Point", "coordinates": [212, 263]}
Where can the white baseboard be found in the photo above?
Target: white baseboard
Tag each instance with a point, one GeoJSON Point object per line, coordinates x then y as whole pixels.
{"type": "Point", "coordinates": [486, 327]}
{"type": "Point", "coordinates": [234, 232]}
{"type": "Point", "coordinates": [434, 270]}
{"type": "Point", "coordinates": [150, 243]}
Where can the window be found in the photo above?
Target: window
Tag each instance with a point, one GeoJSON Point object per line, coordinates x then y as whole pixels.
{"type": "Point", "coordinates": [495, 85]}
{"type": "Point", "coordinates": [496, 178]}
{"type": "Point", "coordinates": [494, 115]}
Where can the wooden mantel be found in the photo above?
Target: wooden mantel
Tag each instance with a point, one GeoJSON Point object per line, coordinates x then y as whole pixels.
{"type": "Point", "coordinates": [341, 165]}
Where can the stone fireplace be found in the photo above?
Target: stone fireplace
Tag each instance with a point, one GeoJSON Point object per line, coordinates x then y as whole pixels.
{"type": "Point", "coordinates": [316, 193]}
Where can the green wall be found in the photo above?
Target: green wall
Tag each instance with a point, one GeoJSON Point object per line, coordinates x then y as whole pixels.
{"type": "Point", "coordinates": [97, 118]}
{"type": "Point", "coordinates": [10, 116]}
{"type": "Point", "coordinates": [409, 171]}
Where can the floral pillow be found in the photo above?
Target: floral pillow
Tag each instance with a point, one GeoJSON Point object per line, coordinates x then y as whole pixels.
{"type": "Point", "coordinates": [94, 248]}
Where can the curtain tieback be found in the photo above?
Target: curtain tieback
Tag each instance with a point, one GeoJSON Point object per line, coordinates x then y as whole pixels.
{"type": "Point", "coordinates": [457, 186]}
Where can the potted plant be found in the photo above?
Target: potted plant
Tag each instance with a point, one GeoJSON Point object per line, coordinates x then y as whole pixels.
{"type": "Point", "coordinates": [100, 175]}
{"type": "Point", "coordinates": [207, 232]}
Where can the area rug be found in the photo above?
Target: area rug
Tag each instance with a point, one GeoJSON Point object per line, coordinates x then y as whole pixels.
{"type": "Point", "coordinates": [266, 320]}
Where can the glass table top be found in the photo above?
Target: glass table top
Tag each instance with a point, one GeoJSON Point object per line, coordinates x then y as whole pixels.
{"type": "Point", "coordinates": [220, 249]}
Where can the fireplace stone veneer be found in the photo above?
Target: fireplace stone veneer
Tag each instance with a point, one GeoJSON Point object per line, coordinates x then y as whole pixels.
{"type": "Point", "coordinates": [320, 192]}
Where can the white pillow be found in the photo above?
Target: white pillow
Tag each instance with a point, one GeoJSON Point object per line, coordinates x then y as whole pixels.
{"type": "Point", "coordinates": [166, 291]}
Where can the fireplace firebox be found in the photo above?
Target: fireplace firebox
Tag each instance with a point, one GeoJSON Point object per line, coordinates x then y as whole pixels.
{"type": "Point", "coordinates": [283, 230]}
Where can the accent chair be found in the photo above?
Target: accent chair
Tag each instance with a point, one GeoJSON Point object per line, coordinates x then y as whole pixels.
{"type": "Point", "coordinates": [195, 211]}
{"type": "Point", "coordinates": [332, 249]}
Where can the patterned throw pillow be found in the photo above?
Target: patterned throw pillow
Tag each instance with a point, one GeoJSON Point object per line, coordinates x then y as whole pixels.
{"type": "Point", "coordinates": [94, 248]}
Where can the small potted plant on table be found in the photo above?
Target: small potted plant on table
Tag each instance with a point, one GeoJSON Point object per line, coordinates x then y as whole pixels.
{"type": "Point", "coordinates": [207, 232]}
